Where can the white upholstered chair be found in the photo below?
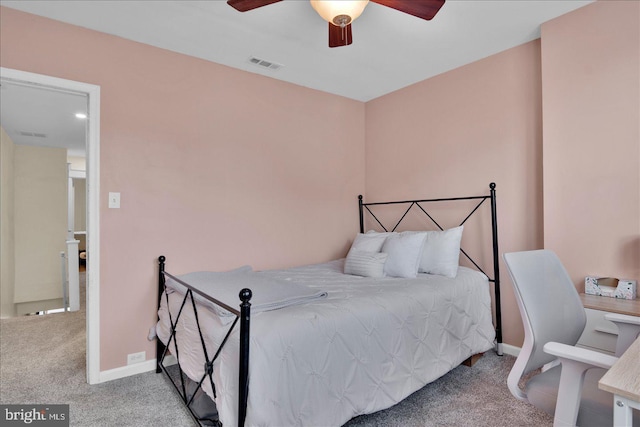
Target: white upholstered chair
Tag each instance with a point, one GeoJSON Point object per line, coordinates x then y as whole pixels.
{"type": "Point", "coordinates": [553, 319]}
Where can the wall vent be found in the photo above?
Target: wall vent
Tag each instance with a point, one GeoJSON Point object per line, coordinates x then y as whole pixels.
{"type": "Point", "coordinates": [33, 134]}
{"type": "Point", "coordinates": [265, 64]}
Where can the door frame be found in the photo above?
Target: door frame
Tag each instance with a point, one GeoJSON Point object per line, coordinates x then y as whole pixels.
{"type": "Point", "coordinates": [93, 200]}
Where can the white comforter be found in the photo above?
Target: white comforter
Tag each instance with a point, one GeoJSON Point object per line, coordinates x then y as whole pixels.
{"type": "Point", "coordinates": [367, 346]}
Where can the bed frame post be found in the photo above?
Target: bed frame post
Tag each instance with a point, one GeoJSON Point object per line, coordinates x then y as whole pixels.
{"type": "Point", "coordinates": [361, 213]}
{"type": "Point", "coordinates": [496, 268]}
{"type": "Point", "coordinates": [159, 345]}
{"type": "Point", "coordinates": [245, 315]}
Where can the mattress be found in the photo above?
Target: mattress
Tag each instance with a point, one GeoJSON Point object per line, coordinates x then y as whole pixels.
{"type": "Point", "coordinates": [364, 348]}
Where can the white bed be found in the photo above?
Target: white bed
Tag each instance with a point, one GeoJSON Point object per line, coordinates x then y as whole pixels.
{"type": "Point", "coordinates": [365, 347]}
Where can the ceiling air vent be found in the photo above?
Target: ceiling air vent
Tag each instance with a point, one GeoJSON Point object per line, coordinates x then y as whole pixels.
{"type": "Point", "coordinates": [34, 134]}
{"type": "Point", "coordinates": [265, 64]}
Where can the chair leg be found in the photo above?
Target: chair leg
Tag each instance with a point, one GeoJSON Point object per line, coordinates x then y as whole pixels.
{"type": "Point", "coordinates": [569, 393]}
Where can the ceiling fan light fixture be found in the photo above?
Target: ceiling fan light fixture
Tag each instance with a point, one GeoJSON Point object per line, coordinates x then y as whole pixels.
{"type": "Point", "coordinates": [339, 12]}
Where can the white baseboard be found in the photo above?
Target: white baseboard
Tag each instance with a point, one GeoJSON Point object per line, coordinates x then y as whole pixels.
{"type": "Point", "coordinates": [511, 350]}
{"type": "Point", "coordinates": [150, 365]}
{"type": "Point", "coordinates": [135, 369]}
{"type": "Point", "coordinates": [127, 371]}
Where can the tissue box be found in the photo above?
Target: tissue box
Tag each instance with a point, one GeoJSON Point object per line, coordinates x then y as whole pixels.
{"type": "Point", "coordinates": [610, 287]}
{"type": "Point", "coordinates": [627, 289]}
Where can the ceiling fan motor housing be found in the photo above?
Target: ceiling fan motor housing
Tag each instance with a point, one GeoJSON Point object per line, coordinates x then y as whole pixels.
{"type": "Point", "coordinates": [342, 20]}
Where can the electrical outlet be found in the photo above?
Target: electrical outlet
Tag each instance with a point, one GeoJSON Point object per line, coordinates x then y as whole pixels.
{"type": "Point", "coordinates": [114, 200]}
{"type": "Point", "coordinates": [136, 357]}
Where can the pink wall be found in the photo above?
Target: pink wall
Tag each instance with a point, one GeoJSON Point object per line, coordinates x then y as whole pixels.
{"type": "Point", "coordinates": [174, 130]}
{"type": "Point", "coordinates": [591, 84]}
{"type": "Point", "coordinates": [453, 134]}
{"type": "Point", "coordinates": [484, 122]}
{"type": "Point", "coordinates": [217, 167]}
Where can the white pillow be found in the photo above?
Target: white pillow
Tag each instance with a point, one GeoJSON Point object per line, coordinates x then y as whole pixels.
{"type": "Point", "coordinates": [368, 242]}
{"type": "Point", "coordinates": [404, 250]}
{"type": "Point", "coordinates": [366, 264]}
{"type": "Point", "coordinates": [441, 253]}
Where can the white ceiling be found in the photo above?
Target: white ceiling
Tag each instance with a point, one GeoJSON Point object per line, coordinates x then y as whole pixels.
{"type": "Point", "coordinates": [390, 49]}
{"type": "Point", "coordinates": [43, 117]}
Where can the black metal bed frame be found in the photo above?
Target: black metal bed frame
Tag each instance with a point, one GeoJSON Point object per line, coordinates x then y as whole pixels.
{"type": "Point", "coordinates": [244, 314]}
{"type": "Point", "coordinates": [494, 234]}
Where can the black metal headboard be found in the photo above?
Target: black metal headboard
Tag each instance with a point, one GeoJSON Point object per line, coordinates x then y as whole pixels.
{"type": "Point", "coordinates": [494, 232]}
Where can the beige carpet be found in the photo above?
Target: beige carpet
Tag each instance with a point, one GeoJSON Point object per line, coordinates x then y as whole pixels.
{"type": "Point", "coordinates": [42, 361]}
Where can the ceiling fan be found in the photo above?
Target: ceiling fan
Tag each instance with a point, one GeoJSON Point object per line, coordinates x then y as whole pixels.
{"type": "Point", "coordinates": [341, 13]}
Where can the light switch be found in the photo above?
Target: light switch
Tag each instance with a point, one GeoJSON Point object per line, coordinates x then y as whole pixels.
{"type": "Point", "coordinates": [114, 200]}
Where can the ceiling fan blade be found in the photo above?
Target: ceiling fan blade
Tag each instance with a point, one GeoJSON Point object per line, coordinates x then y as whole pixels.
{"type": "Point", "coordinates": [425, 9]}
{"type": "Point", "coordinates": [245, 5]}
{"type": "Point", "coordinates": [339, 36]}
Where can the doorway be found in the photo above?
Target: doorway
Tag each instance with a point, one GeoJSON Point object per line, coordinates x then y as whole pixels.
{"type": "Point", "coordinates": [92, 94]}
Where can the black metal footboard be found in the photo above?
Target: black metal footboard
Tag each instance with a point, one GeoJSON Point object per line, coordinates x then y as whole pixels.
{"type": "Point", "coordinates": [243, 316]}
{"type": "Point", "coordinates": [494, 234]}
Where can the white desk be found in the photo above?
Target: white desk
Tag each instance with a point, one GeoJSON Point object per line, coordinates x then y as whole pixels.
{"type": "Point", "coordinates": [623, 380]}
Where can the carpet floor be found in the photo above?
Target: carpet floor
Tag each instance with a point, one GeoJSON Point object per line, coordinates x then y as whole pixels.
{"type": "Point", "coordinates": [42, 361]}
